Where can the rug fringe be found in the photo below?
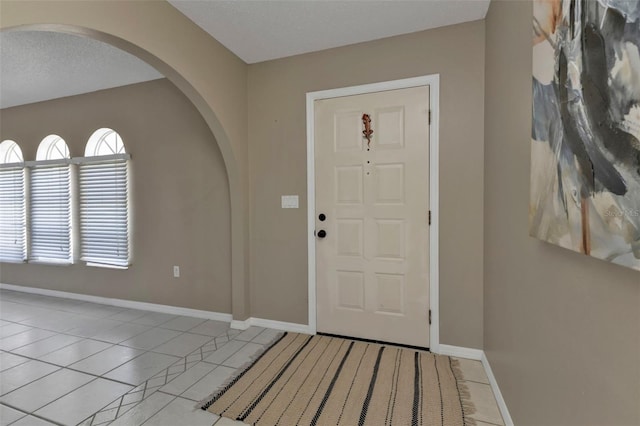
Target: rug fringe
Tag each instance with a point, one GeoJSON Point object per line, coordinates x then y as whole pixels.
{"type": "Point", "coordinates": [468, 407]}
{"type": "Point", "coordinates": [205, 403]}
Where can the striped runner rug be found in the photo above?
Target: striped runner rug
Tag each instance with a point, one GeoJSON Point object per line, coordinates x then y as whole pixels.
{"type": "Point", "coordinates": [321, 380]}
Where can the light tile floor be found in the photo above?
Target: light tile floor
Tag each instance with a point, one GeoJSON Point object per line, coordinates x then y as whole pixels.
{"type": "Point", "coordinates": [67, 362]}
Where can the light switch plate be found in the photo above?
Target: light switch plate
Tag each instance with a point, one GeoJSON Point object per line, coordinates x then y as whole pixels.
{"type": "Point", "coordinates": [289, 201]}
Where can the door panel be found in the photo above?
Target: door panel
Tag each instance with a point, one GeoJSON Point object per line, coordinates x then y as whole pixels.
{"type": "Point", "coordinates": [373, 265]}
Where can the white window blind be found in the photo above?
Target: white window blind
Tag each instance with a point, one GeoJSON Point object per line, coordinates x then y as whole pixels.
{"type": "Point", "coordinates": [12, 214]}
{"type": "Point", "coordinates": [104, 209]}
{"type": "Point", "coordinates": [50, 212]}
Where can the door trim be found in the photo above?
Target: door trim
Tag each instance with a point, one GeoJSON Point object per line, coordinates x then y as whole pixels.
{"type": "Point", "coordinates": [433, 81]}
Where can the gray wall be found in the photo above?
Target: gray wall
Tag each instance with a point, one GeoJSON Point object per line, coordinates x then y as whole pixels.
{"type": "Point", "coordinates": [277, 163]}
{"type": "Point", "coordinates": [562, 331]}
{"type": "Point", "coordinates": [180, 195]}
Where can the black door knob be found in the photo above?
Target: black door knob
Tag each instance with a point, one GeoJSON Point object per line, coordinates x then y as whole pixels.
{"type": "Point", "coordinates": [322, 233]}
{"type": "Point", "coordinates": [322, 217]}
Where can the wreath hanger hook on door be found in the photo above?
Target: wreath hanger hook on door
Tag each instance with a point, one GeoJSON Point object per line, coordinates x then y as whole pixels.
{"type": "Point", "coordinates": [367, 132]}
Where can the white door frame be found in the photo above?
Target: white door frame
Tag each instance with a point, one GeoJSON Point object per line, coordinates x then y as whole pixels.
{"type": "Point", "coordinates": [433, 81]}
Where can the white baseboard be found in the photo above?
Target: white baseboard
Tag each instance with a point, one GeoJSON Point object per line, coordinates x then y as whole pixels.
{"type": "Point", "coordinates": [281, 325]}
{"type": "Point", "coordinates": [479, 355]}
{"type": "Point", "coordinates": [266, 323]}
{"type": "Point", "coordinates": [457, 351]}
{"type": "Point", "coordinates": [121, 303]}
{"type": "Point", "coordinates": [502, 405]}
{"type": "Point", "coordinates": [460, 352]}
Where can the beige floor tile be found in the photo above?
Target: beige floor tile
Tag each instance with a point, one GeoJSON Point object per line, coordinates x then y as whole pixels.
{"type": "Point", "coordinates": [45, 346]}
{"type": "Point", "coordinates": [83, 402]}
{"type": "Point", "coordinates": [141, 368]}
{"type": "Point", "coordinates": [244, 356]}
{"type": "Point", "coordinates": [106, 360]}
{"type": "Point", "coordinates": [23, 374]}
{"type": "Point", "coordinates": [182, 323]}
{"type": "Point", "coordinates": [183, 344]}
{"type": "Point", "coordinates": [151, 338]}
{"type": "Point", "coordinates": [211, 328]}
{"type": "Point", "coordinates": [154, 318]}
{"type": "Point", "coordinates": [46, 390]}
{"type": "Point", "coordinates": [473, 370]}
{"type": "Point", "coordinates": [209, 384]}
{"type": "Point", "coordinates": [249, 334]}
{"type": "Point", "coordinates": [128, 315]}
{"type": "Point", "coordinates": [225, 351]}
{"type": "Point", "coordinates": [22, 339]}
{"type": "Point", "coordinates": [485, 403]}
{"type": "Point", "coordinates": [32, 421]}
{"type": "Point", "coordinates": [94, 326]}
{"type": "Point", "coordinates": [56, 321]}
{"type": "Point", "coordinates": [75, 352]}
{"type": "Point", "coordinates": [144, 411]}
{"type": "Point", "coordinates": [12, 328]}
{"type": "Point", "coordinates": [16, 312]}
{"type": "Point", "coordinates": [267, 336]}
{"type": "Point", "coordinates": [181, 411]}
{"type": "Point", "coordinates": [121, 333]}
{"type": "Point", "coordinates": [8, 360]}
{"type": "Point", "coordinates": [187, 379]}
{"type": "Point", "coordinates": [8, 415]}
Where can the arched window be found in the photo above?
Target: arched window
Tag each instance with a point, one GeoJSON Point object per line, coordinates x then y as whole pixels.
{"type": "Point", "coordinates": [104, 200]}
{"type": "Point", "coordinates": [104, 142]}
{"type": "Point", "coordinates": [10, 152]}
{"type": "Point", "coordinates": [53, 147]}
{"type": "Point", "coordinates": [12, 203]}
{"type": "Point", "coordinates": [50, 203]}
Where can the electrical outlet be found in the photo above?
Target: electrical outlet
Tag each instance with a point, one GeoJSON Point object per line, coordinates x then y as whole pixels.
{"type": "Point", "coordinates": [176, 272]}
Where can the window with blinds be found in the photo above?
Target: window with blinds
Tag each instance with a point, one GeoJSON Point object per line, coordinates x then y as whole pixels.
{"type": "Point", "coordinates": [50, 203]}
{"type": "Point", "coordinates": [42, 201]}
{"type": "Point", "coordinates": [12, 204]}
{"type": "Point", "coordinates": [103, 182]}
{"type": "Point", "coordinates": [50, 212]}
{"type": "Point", "coordinates": [104, 211]}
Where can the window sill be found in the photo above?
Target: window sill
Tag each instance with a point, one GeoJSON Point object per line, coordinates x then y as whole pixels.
{"type": "Point", "coordinates": [102, 265]}
{"type": "Point", "coordinates": [50, 262]}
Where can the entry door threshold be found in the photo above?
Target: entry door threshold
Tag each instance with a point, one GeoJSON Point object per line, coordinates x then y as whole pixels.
{"type": "Point", "coordinates": [379, 342]}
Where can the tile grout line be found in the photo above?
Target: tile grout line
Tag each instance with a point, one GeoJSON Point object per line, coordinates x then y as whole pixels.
{"type": "Point", "coordinates": [95, 376]}
{"type": "Point", "coordinates": [163, 407]}
{"type": "Point", "coordinates": [146, 382]}
{"type": "Point", "coordinates": [229, 339]}
{"type": "Point", "coordinates": [52, 351]}
{"type": "Point", "coordinates": [201, 354]}
{"type": "Point", "coordinates": [29, 414]}
{"type": "Point", "coordinates": [151, 326]}
{"type": "Point", "coordinates": [102, 341]}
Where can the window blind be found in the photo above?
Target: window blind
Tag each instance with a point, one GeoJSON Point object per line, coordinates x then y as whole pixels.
{"type": "Point", "coordinates": [104, 210]}
{"type": "Point", "coordinates": [50, 213]}
{"type": "Point", "coordinates": [12, 214]}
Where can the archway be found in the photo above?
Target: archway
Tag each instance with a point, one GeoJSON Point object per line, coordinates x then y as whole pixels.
{"type": "Point", "coordinates": [194, 62]}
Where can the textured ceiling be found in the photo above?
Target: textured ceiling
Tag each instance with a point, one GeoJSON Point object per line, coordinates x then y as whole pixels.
{"type": "Point", "coordinates": [259, 30]}
{"type": "Point", "coordinates": [38, 65]}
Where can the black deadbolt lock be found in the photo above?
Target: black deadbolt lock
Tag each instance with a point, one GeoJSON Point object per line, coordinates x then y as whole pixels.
{"type": "Point", "coordinates": [322, 233]}
{"type": "Point", "coordinates": [322, 217]}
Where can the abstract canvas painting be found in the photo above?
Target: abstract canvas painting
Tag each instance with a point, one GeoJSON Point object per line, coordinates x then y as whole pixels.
{"type": "Point", "coordinates": [585, 148]}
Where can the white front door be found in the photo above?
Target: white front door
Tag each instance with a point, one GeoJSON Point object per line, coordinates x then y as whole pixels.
{"type": "Point", "coordinates": [372, 202]}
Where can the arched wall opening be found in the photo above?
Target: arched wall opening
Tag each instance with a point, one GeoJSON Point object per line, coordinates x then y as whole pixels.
{"type": "Point", "coordinates": [188, 72]}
